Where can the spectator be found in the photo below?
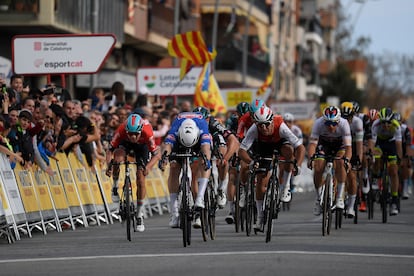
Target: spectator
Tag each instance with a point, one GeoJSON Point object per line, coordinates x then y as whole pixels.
{"type": "Point", "coordinates": [21, 140]}
{"type": "Point", "coordinates": [186, 106]}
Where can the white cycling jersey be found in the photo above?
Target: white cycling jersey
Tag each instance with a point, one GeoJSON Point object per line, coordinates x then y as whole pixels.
{"type": "Point", "coordinates": [284, 132]}
{"type": "Point", "coordinates": [357, 129]}
{"type": "Point", "coordinates": [321, 132]}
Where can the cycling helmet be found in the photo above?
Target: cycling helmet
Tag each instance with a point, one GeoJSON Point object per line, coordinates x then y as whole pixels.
{"type": "Point", "coordinates": [204, 111]}
{"type": "Point", "coordinates": [397, 116]}
{"type": "Point", "coordinates": [255, 105]}
{"type": "Point", "coordinates": [134, 123]}
{"type": "Point", "coordinates": [263, 115]}
{"type": "Point", "coordinates": [332, 113]}
{"type": "Point", "coordinates": [347, 109]}
{"type": "Point", "coordinates": [355, 107]}
{"type": "Point", "coordinates": [188, 133]}
{"type": "Point", "coordinates": [373, 114]}
{"type": "Point", "coordinates": [243, 108]}
{"type": "Point", "coordinates": [288, 117]}
{"type": "Point", "coordinates": [386, 114]}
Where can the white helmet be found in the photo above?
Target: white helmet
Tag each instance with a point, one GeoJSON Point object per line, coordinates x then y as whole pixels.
{"type": "Point", "coordinates": [263, 115]}
{"type": "Point", "coordinates": [188, 133]}
{"type": "Point", "coordinates": [288, 117]}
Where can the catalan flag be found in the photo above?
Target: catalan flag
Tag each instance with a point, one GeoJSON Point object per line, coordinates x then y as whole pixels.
{"type": "Point", "coordinates": [207, 92]}
{"type": "Point", "coordinates": [191, 48]}
{"type": "Point", "coordinates": [262, 89]}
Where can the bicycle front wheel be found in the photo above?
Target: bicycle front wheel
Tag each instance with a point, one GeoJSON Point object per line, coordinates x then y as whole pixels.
{"type": "Point", "coordinates": [127, 197]}
{"type": "Point", "coordinates": [249, 207]}
{"type": "Point", "coordinates": [270, 204]}
{"type": "Point", "coordinates": [212, 207]}
{"type": "Point", "coordinates": [204, 216]}
{"type": "Point", "coordinates": [326, 209]}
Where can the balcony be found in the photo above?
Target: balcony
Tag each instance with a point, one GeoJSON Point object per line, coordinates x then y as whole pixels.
{"type": "Point", "coordinates": [231, 59]}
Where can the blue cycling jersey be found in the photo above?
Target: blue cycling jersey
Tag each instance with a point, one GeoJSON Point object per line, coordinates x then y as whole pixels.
{"type": "Point", "coordinates": [205, 137]}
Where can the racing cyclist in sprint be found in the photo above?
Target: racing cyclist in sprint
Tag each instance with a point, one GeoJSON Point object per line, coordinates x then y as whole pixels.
{"type": "Point", "coordinates": [331, 135]}
{"type": "Point", "coordinates": [232, 124]}
{"type": "Point", "coordinates": [245, 122]}
{"type": "Point", "coordinates": [270, 133]}
{"type": "Point", "coordinates": [357, 133]}
{"type": "Point", "coordinates": [188, 130]}
{"type": "Point", "coordinates": [386, 140]}
{"type": "Point", "coordinates": [226, 143]}
{"type": "Point", "coordinates": [406, 161]}
{"type": "Point", "coordinates": [133, 137]}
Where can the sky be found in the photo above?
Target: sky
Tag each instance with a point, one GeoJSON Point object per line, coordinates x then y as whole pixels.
{"type": "Point", "coordinates": [389, 24]}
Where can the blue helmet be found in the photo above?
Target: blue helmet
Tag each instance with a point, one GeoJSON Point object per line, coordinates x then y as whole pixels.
{"type": "Point", "coordinates": [134, 123]}
{"type": "Point", "coordinates": [256, 105]}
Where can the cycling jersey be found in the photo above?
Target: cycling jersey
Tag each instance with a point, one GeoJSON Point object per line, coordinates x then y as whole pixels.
{"type": "Point", "coordinates": [146, 138]}
{"type": "Point", "coordinates": [280, 131]}
{"type": "Point", "coordinates": [201, 123]}
{"type": "Point", "coordinates": [357, 130]}
{"type": "Point", "coordinates": [392, 133]}
{"type": "Point", "coordinates": [245, 122]}
{"type": "Point", "coordinates": [298, 132]}
{"type": "Point", "coordinates": [320, 133]}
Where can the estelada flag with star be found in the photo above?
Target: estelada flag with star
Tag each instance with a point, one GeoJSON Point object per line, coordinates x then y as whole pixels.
{"type": "Point", "coordinates": [207, 92]}
{"type": "Point", "coordinates": [192, 50]}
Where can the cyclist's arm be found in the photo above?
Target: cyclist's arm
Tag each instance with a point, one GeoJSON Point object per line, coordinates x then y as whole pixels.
{"type": "Point", "coordinates": [232, 146]}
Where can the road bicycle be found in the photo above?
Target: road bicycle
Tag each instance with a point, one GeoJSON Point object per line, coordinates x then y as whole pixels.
{"type": "Point", "coordinates": [184, 195]}
{"type": "Point", "coordinates": [272, 197]}
{"type": "Point", "coordinates": [127, 208]}
{"type": "Point", "coordinates": [250, 205]}
{"type": "Point", "coordinates": [208, 213]}
{"type": "Point", "coordinates": [327, 201]}
{"type": "Point", "coordinates": [238, 218]}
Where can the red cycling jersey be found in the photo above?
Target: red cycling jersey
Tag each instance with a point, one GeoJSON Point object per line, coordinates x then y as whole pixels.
{"type": "Point", "coordinates": [147, 136]}
{"type": "Point", "coordinates": [275, 137]}
{"type": "Point", "coordinates": [245, 122]}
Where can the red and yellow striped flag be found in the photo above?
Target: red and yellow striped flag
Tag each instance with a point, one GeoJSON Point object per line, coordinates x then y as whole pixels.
{"type": "Point", "coordinates": [262, 89]}
{"type": "Point", "coordinates": [190, 46]}
{"type": "Point", "coordinates": [207, 92]}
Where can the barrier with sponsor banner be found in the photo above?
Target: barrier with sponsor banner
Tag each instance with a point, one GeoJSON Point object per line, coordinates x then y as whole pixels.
{"type": "Point", "coordinates": [73, 194]}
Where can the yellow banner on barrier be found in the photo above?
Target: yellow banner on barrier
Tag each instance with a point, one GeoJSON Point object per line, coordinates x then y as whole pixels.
{"type": "Point", "coordinates": [67, 179]}
{"type": "Point", "coordinates": [3, 198]}
{"type": "Point", "coordinates": [56, 187]}
{"type": "Point", "coordinates": [42, 190]}
{"type": "Point", "coordinates": [81, 180]}
{"type": "Point", "coordinates": [27, 193]}
{"type": "Point", "coordinates": [105, 181]}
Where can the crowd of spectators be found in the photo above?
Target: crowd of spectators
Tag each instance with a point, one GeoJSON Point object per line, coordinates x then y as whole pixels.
{"type": "Point", "coordinates": [37, 123]}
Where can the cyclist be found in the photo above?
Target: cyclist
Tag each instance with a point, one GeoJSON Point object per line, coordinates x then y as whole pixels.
{"type": "Point", "coordinates": [357, 133]}
{"type": "Point", "coordinates": [133, 137]}
{"type": "Point", "coordinates": [225, 144]}
{"type": "Point", "coordinates": [245, 122]}
{"type": "Point", "coordinates": [386, 140]}
{"type": "Point", "coordinates": [331, 135]}
{"type": "Point", "coordinates": [241, 109]}
{"type": "Point", "coordinates": [188, 130]}
{"type": "Point", "coordinates": [406, 161]}
{"type": "Point", "coordinates": [270, 132]}
{"type": "Point", "coordinates": [289, 120]}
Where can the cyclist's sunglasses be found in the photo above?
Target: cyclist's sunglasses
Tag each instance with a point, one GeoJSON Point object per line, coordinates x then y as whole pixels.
{"type": "Point", "coordinates": [330, 123]}
{"type": "Point", "coordinates": [266, 124]}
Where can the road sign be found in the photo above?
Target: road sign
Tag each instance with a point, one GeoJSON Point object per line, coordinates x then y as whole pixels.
{"type": "Point", "coordinates": [60, 54]}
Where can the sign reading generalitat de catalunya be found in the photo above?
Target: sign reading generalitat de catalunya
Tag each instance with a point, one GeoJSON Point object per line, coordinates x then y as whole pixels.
{"type": "Point", "coordinates": [60, 54]}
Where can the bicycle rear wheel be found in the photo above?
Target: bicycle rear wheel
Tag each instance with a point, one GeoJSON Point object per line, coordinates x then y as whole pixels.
{"type": "Point", "coordinates": [384, 199]}
{"type": "Point", "coordinates": [212, 213]}
{"type": "Point", "coordinates": [237, 209]}
{"type": "Point", "coordinates": [185, 214]}
{"type": "Point", "coordinates": [370, 203]}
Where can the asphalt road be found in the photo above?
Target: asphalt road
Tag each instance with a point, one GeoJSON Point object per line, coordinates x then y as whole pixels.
{"type": "Point", "coordinates": [297, 248]}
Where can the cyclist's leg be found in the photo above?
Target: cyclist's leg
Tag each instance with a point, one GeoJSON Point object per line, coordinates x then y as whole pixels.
{"type": "Point", "coordinates": [141, 157]}
{"type": "Point", "coordinates": [173, 188]}
{"type": "Point", "coordinates": [231, 192]}
{"type": "Point", "coordinates": [202, 179]}
{"type": "Point", "coordinates": [118, 156]}
{"type": "Point", "coordinates": [262, 181]}
{"type": "Point", "coordinates": [394, 182]}
{"type": "Point", "coordinates": [286, 151]}
{"type": "Point", "coordinates": [340, 175]}
{"type": "Point", "coordinates": [223, 178]}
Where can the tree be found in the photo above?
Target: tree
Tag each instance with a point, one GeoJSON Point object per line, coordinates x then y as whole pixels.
{"type": "Point", "coordinates": [339, 83]}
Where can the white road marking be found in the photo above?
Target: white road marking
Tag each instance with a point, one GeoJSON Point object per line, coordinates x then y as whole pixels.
{"type": "Point", "coordinates": [369, 255]}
